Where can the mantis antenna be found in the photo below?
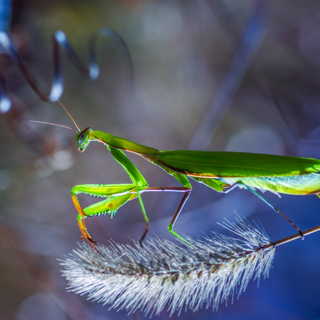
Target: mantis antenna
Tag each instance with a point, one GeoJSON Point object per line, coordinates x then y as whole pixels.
{"type": "Point", "coordinates": [53, 124]}
{"type": "Point", "coordinates": [60, 125]}
{"type": "Point", "coordinates": [65, 109]}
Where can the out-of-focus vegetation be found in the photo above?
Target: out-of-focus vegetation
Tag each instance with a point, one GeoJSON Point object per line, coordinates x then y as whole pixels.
{"type": "Point", "coordinates": [181, 52]}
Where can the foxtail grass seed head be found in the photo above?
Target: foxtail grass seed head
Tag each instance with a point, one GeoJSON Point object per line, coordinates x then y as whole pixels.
{"type": "Point", "coordinates": [163, 274]}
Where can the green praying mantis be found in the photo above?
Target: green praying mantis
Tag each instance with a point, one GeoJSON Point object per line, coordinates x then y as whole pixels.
{"type": "Point", "coordinates": [221, 171]}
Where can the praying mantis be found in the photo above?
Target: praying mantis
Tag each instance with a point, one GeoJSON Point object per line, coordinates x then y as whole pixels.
{"type": "Point", "coordinates": [221, 171]}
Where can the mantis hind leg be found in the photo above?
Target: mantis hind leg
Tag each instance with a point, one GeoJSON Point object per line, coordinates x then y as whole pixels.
{"type": "Point", "coordinates": [274, 208]}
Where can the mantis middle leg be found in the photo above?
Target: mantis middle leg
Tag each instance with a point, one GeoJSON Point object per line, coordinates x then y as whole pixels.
{"type": "Point", "coordinates": [186, 189]}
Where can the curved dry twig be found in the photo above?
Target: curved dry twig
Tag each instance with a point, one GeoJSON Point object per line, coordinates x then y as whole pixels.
{"type": "Point", "coordinates": [59, 40]}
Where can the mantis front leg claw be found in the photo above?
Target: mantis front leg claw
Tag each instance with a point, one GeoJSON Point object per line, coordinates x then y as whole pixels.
{"type": "Point", "coordinates": [87, 236]}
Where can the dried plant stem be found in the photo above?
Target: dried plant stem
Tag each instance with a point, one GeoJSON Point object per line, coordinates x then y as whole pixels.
{"type": "Point", "coordinates": [291, 238]}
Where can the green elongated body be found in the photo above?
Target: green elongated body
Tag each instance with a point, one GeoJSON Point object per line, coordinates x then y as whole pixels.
{"type": "Point", "coordinates": [221, 171]}
{"type": "Point", "coordinates": [291, 175]}
{"type": "Point", "coordinates": [236, 164]}
{"type": "Point", "coordinates": [282, 174]}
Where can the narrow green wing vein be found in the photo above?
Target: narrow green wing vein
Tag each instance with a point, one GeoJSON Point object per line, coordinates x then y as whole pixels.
{"type": "Point", "coordinates": [235, 164]}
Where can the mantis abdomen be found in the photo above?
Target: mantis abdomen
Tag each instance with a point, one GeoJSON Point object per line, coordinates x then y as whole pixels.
{"type": "Point", "coordinates": [295, 184]}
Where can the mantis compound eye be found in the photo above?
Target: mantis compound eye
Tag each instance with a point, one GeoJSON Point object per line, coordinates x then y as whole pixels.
{"type": "Point", "coordinates": [81, 138]}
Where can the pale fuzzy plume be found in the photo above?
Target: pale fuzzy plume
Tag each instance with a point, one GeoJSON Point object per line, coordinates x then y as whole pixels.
{"type": "Point", "coordinates": [163, 273]}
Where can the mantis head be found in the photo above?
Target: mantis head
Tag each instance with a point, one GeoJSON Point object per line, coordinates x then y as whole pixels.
{"type": "Point", "coordinates": [83, 138]}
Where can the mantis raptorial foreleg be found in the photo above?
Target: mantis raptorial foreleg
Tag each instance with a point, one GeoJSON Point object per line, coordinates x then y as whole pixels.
{"type": "Point", "coordinates": [115, 196]}
{"type": "Point", "coordinates": [134, 174]}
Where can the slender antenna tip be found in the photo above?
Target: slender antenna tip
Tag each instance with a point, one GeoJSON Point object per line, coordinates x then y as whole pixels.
{"type": "Point", "coordinates": [53, 124]}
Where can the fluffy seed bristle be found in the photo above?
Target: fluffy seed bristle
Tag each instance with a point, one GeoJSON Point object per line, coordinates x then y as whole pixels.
{"type": "Point", "coordinates": [164, 273]}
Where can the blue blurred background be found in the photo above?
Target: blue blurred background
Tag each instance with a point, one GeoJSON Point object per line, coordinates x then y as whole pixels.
{"type": "Point", "coordinates": [251, 69]}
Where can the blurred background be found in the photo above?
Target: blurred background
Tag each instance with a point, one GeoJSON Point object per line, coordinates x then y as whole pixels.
{"type": "Point", "coordinates": [211, 75]}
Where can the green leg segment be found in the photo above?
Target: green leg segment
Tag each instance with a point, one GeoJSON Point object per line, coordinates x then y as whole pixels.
{"type": "Point", "coordinates": [117, 196]}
